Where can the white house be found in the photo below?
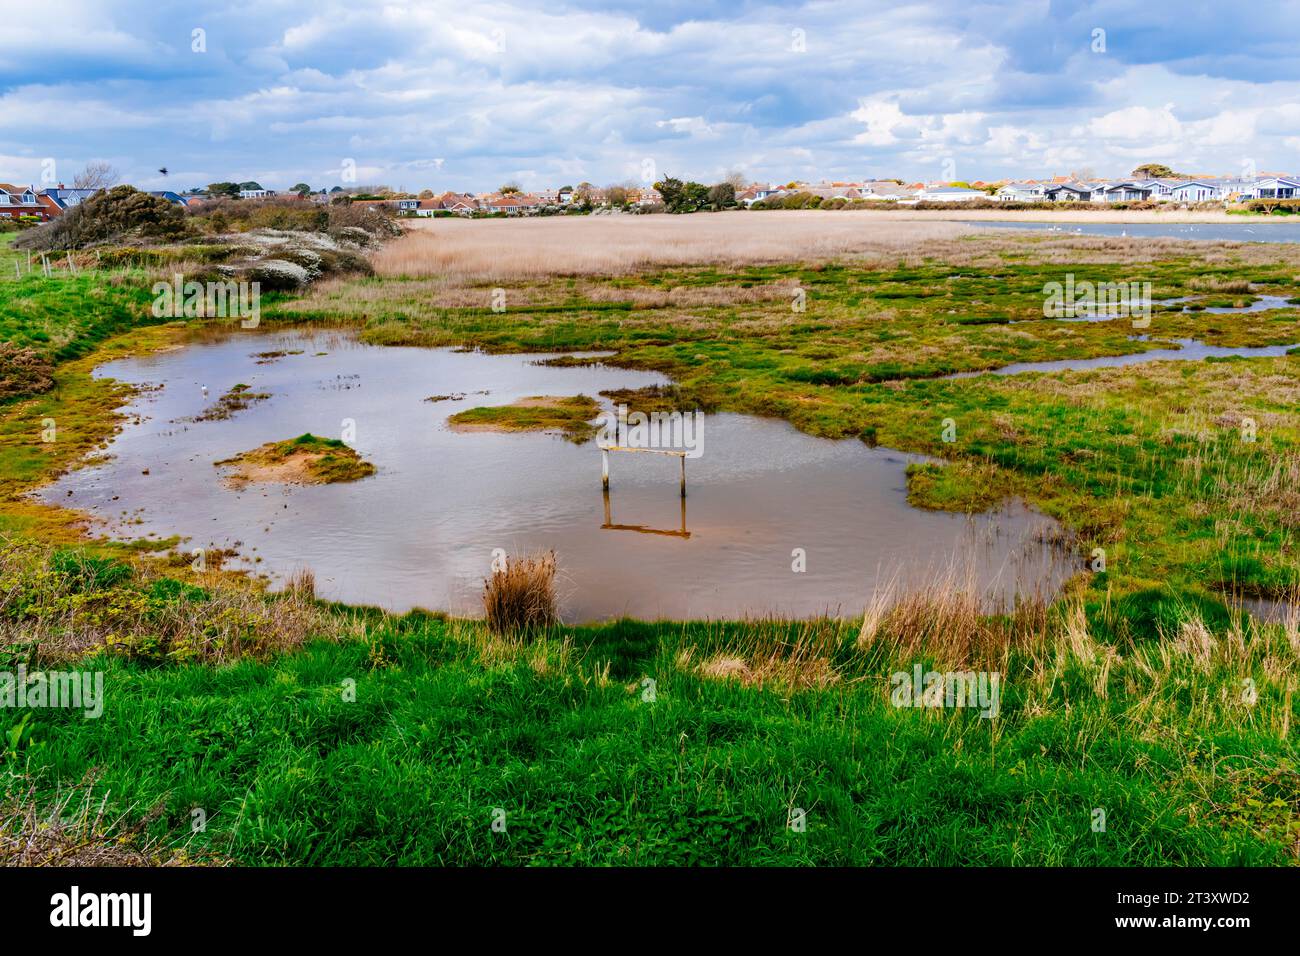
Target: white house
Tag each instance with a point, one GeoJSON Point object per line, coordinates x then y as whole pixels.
{"type": "Point", "coordinates": [1124, 192]}
{"type": "Point", "coordinates": [1021, 192]}
{"type": "Point", "coordinates": [949, 194]}
{"type": "Point", "coordinates": [1275, 187]}
{"type": "Point", "coordinates": [1068, 192]}
{"type": "Point", "coordinates": [254, 193]}
{"type": "Point", "coordinates": [1196, 190]}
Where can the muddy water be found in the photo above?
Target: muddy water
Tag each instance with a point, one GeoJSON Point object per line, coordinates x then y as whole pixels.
{"type": "Point", "coordinates": [422, 530]}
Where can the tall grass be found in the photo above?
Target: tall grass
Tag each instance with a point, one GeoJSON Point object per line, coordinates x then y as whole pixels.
{"type": "Point", "coordinates": [521, 594]}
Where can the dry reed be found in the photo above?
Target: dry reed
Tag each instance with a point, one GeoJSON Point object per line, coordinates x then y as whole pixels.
{"type": "Point", "coordinates": [521, 594]}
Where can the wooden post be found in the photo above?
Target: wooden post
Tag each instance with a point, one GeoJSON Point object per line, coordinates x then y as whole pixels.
{"type": "Point", "coordinates": [604, 468]}
{"type": "Point", "coordinates": [683, 459]}
{"type": "Point", "coordinates": [18, 270]}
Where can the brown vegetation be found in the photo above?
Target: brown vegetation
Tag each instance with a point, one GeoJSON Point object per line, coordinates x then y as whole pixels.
{"type": "Point", "coordinates": [521, 594]}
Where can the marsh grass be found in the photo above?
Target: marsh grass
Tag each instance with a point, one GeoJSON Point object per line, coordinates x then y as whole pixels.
{"type": "Point", "coordinates": [60, 604]}
{"type": "Point", "coordinates": [520, 596]}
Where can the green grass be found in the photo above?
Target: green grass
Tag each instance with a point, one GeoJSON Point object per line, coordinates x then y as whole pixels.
{"type": "Point", "coordinates": [446, 726]}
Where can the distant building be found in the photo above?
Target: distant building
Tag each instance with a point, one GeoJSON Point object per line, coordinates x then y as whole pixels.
{"type": "Point", "coordinates": [19, 201]}
{"type": "Point", "coordinates": [949, 194]}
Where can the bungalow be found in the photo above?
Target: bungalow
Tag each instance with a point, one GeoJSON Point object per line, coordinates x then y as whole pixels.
{"type": "Point", "coordinates": [461, 204]}
{"type": "Point", "coordinates": [511, 204]}
{"type": "Point", "coordinates": [886, 190]}
{"type": "Point", "coordinates": [1021, 192]}
{"type": "Point", "coordinates": [949, 194]}
{"type": "Point", "coordinates": [1196, 190]}
{"type": "Point", "coordinates": [1068, 192]}
{"type": "Point", "coordinates": [254, 193]}
{"type": "Point", "coordinates": [1125, 192]}
{"type": "Point", "coordinates": [19, 201]}
{"type": "Point", "coordinates": [1271, 187]}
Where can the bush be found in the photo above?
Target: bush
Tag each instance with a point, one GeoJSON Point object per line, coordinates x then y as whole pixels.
{"type": "Point", "coordinates": [288, 215]}
{"type": "Point", "coordinates": [1284, 207]}
{"type": "Point", "coordinates": [112, 214]}
{"type": "Point", "coordinates": [23, 371]}
{"type": "Point", "coordinates": [374, 221]}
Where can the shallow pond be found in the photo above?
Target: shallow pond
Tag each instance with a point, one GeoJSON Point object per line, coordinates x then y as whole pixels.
{"type": "Point", "coordinates": [422, 530]}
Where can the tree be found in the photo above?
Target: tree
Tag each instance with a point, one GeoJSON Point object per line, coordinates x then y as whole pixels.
{"type": "Point", "coordinates": [722, 195]}
{"type": "Point", "coordinates": [301, 189]}
{"type": "Point", "coordinates": [508, 188]}
{"type": "Point", "coordinates": [1153, 171]}
{"type": "Point", "coordinates": [671, 189]}
{"type": "Point", "coordinates": [682, 197]}
{"type": "Point", "coordinates": [96, 175]}
{"type": "Point", "coordinates": [218, 190]}
{"type": "Point", "coordinates": [695, 196]}
{"type": "Point", "coordinates": [736, 178]}
{"type": "Point", "coordinates": [426, 193]}
{"type": "Point", "coordinates": [616, 196]}
{"type": "Point", "coordinates": [250, 185]}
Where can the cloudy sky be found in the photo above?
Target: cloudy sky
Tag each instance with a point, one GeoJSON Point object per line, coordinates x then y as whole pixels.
{"type": "Point", "coordinates": [467, 95]}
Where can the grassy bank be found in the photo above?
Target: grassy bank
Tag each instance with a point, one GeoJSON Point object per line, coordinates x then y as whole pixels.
{"type": "Point", "coordinates": [635, 743]}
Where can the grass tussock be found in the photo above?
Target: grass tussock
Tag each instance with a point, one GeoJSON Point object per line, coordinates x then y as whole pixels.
{"type": "Point", "coordinates": [520, 595]}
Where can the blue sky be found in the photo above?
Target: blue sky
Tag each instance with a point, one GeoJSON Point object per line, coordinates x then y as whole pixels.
{"type": "Point", "coordinates": [465, 95]}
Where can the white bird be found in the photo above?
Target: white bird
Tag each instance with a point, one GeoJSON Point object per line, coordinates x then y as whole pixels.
{"type": "Point", "coordinates": [205, 391]}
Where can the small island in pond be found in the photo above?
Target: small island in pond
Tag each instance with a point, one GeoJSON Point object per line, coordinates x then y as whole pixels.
{"type": "Point", "coordinates": [305, 460]}
{"type": "Point", "coordinates": [570, 415]}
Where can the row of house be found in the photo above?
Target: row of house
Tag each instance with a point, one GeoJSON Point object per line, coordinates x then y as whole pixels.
{"type": "Point", "coordinates": [19, 202]}
{"type": "Point", "coordinates": [1208, 189]}
{"type": "Point", "coordinates": [883, 190]}
{"type": "Point", "coordinates": [1063, 189]}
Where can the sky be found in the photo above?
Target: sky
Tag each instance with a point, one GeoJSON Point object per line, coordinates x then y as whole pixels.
{"type": "Point", "coordinates": [469, 95]}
